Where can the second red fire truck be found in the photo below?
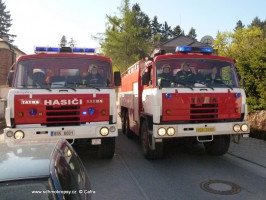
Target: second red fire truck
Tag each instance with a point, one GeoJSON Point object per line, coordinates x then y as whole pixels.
{"type": "Point", "coordinates": [190, 93]}
{"type": "Point", "coordinates": [63, 93]}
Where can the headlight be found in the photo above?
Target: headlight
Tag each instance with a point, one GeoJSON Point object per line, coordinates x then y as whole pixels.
{"type": "Point", "coordinates": [161, 131]}
{"type": "Point", "coordinates": [112, 128]}
{"type": "Point", "coordinates": [236, 128]}
{"type": "Point", "coordinates": [170, 131]}
{"type": "Point", "coordinates": [19, 135]}
{"type": "Point", "coordinates": [9, 134]}
{"type": "Point", "coordinates": [244, 127]}
{"type": "Point", "coordinates": [104, 131]}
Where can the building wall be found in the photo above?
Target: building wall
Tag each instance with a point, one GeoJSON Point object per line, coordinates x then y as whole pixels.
{"type": "Point", "coordinates": [8, 55]}
{"type": "Point", "coordinates": [5, 64]}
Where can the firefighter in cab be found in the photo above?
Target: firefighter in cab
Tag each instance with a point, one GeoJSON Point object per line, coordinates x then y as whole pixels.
{"type": "Point", "coordinates": [214, 77]}
{"type": "Point", "coordinates": [185, 76]}
{"type": "Point", "coordinates": [94, 78]}
{"type": "Point", "coordinates": [165, 76]}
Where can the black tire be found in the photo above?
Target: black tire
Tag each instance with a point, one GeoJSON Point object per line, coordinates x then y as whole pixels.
{"type": "Point", "coordinates": [219, 146]}
{"type": "Point", "coordinates": [107, 148]}
{"type": "Point", "coordinates": [127, 130]}
{"type": "Point", "coordinates": [149, 153]}
{"type": "Point", "coordinates": [123, 121]}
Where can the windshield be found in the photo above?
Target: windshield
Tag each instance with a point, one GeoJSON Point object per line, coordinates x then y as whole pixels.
{"type": "Point", "coordinates": [195, 73]}
{"type": "Point", "coordinates": [63, 73]}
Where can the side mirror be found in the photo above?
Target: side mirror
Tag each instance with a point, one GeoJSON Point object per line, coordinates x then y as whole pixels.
{"type": "Point", "coordinates": [10, 78]}
{"type": "Point", "coordinates": [117, 78]}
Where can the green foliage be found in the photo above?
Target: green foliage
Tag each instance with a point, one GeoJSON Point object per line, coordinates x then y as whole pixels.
{"type": "Point", "coordinates": [127, 38]}
{"type": "Point", "coordinates": [63, 41]}
{"type": "Point", "coordinates": [192, 33]}
{"type": "Point", "coordinates": [132, 36]}
{"type": "Point", "coordinates": [167, 32]}
{"type": "Point", "coordinates": [239, 25]}
{"type": "Point", "coordinates": [177, 31]}
{"type": "Point", "coordinates": [72, 42]}
{"type": "Point", "coordinates": [5, 23]}
{"type": "Point", "coordinates": [248, 47]}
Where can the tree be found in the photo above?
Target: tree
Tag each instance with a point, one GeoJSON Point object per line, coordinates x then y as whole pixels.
{"type": "Point", "coordinates": [239, 25]}
{"type": "Point", "coordinates": [63, 41]}
{"type": "Point", "coordinates": [259, 23]}
{"type": "Point", "coordinates": [166, 32]}
{"type": "Point", "coordinates": [256, 22]}
{"type": "Point", "coordinates": [72, 42]}
{"type": "Point", "coordinates": [5, 22]}
{"type": "Point", "coordinates": [177, 31]}
{"type": "Point", "coordinates": [155, 26]}
{"type": "Point", "coordinates": [192, 33]}
{"type": "Point", "coordinates": [247, 46]}
{"type": "Point", "coordinates": [127, 38]}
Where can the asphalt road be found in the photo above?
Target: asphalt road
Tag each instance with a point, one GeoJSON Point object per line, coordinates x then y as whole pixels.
{"type": "Point", "coordinates": [185, 172]}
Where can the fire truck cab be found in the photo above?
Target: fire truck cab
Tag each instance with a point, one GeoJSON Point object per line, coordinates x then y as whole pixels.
{"type": "Point", "coordinates": [190, 93]}
{"type": "Point", "coordinates": [65, 93]}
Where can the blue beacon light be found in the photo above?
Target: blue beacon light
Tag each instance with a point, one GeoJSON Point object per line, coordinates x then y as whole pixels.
{"type": "Point", "coordinates": [183, 48]}
{"type": "Point", "coordinates": [187, 49]}
{"type": "Point", "coordinates": [84, 112]}
{"type": "Point", "coordinates": [91, 111]}
{"type": "Point", "coordinates": [168, 96]}
{"type": "Point", "coordinates": [33, 112]}
{"type": "Point", "coordinates": [238, 95]}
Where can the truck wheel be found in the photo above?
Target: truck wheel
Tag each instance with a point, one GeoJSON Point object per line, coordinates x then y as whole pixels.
{"type": "Point", "coordinates": [218, 146]}
{"type": "Point", "coordinates": [123, 121]}
{"type": "Point", "coordinates": [127, 130]}
{"type": "Point", "coordinates": [149, 153]}
{"type": "Point", "coordinates": [107, 148]}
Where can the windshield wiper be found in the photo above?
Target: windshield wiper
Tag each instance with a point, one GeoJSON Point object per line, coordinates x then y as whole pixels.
{"type": "Point", "coordinates": [93, 87]}
{"type": "Point", "coordinates": [177, 82]}
{"type": "Point", "coordinates": [207, 85]}
{"type": "Point", "coordinates": [222, 83]}
{"type": "Point", "coordinates": [33, 87]}
{"type": "Point", "coordinates": [72, 88]}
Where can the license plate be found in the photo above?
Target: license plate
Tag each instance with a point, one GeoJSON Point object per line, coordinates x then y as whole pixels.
{"type": "Point", "coordinates": [63, 133]}
{"type": "Point", "coordinates": [96, 141]}
{"type": "Point", "coordinates": [206, 129]}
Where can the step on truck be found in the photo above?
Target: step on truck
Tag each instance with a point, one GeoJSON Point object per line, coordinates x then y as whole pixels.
{"type": "Point", "coordinates": [187, 94]}
{"type": "Point", "coordinates": [63, 93]}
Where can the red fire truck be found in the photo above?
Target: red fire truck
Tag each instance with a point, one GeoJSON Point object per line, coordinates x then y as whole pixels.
{"type": "Point", "coordinates": [189, 93]}
{"type": "Point", "coordinates": [66, 93]}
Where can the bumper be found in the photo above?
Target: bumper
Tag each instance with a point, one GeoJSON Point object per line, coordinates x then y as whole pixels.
{"type": "Point", "coordinates": [193, 130]}
{"type": "Point", "coordinates": [67, 132]}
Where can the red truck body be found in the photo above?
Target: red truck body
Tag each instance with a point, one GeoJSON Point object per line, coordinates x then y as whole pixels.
{"type": "Point", "coordinates": [56, 94]}
{"type": "Point", "coordinates": [207, 111]}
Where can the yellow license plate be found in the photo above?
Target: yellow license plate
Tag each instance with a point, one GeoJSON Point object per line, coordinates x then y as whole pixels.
{"type": "Point", "coordinates": [207, 129]}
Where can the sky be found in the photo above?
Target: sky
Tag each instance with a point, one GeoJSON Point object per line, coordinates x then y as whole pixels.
{"type": "Point", "coordinates": [44, 22]}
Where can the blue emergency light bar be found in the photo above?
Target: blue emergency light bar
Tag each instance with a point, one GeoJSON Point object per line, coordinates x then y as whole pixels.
{"type": "Point", "coordinates": [188, 49]}
{"type": "Point", "coordinates": [63, 49]}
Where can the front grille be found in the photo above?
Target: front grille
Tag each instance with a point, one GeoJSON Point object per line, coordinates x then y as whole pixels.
{"type": "Point", "coordinates": [62, 114]}
{"type": "Point", "coordinates": [203, 111]}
